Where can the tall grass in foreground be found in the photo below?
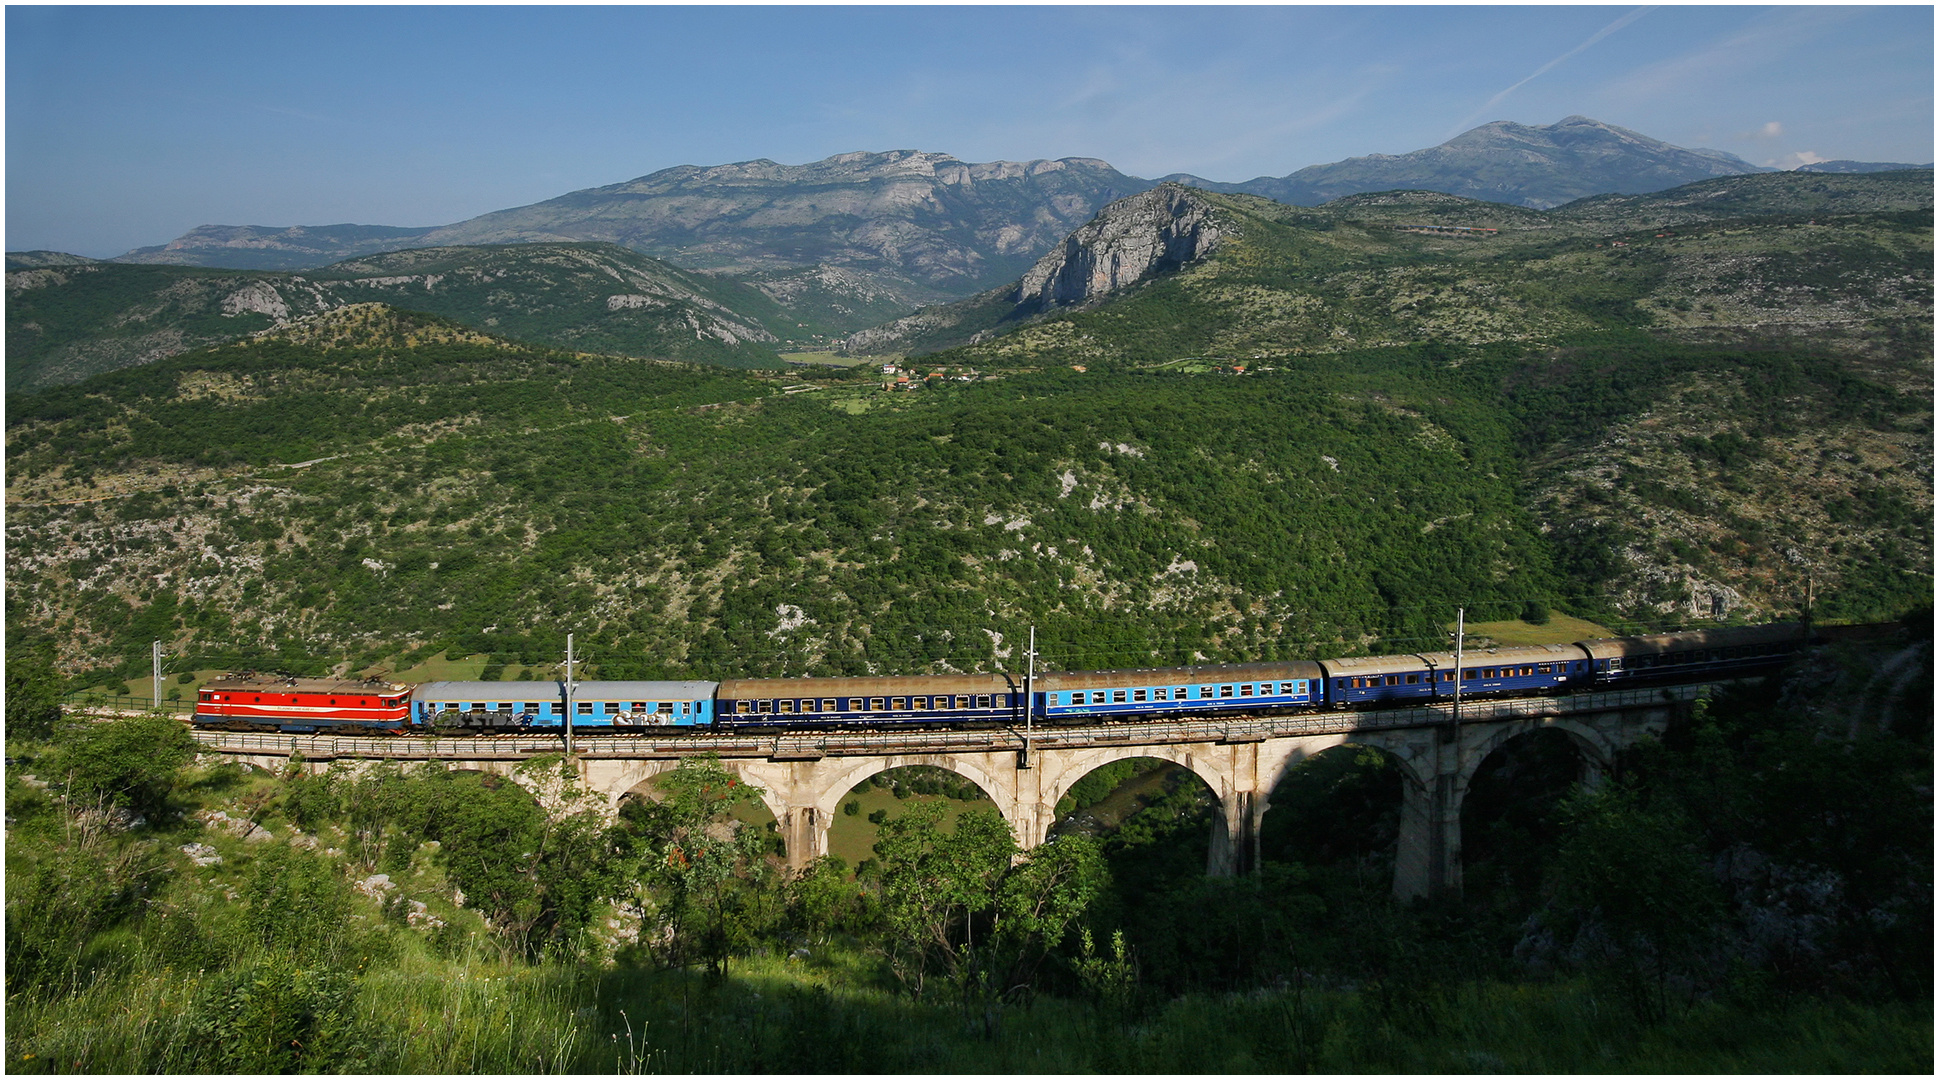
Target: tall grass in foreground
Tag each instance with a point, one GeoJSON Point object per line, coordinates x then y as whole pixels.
{"type": "Point", "coordinates": [424, 1015]}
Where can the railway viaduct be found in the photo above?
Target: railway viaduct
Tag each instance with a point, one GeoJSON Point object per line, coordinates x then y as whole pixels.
{"type": "Point", "coordinates": [804, 778]}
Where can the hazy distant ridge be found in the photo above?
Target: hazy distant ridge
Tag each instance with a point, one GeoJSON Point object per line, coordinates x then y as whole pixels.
{"type": "Point", "coordinates": [933, 227]}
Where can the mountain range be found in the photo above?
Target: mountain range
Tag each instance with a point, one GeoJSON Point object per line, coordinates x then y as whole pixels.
{"type": "Point", "coordinates": [1509, 163]}
{"type": "Point", "coordinates": [918, 227]}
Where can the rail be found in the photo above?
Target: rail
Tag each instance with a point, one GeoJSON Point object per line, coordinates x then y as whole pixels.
{"type": "Point", "coordinates": [810, 745]}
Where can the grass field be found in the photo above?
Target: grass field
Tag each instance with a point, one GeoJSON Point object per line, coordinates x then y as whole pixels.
{"type": "Point", "coordinates": [1560, 630]}
{"type": "Point", "coordinates": [829, 359]}
{"type": "Point", "coordinates": [853, 836]}
{"type": "Point", "coordinates": [461, 669]}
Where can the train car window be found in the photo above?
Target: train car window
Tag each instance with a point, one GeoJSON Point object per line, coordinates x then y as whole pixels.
{"type": "Point", "coordinates": [784, 706]}
{"type": "Point", "coordinates": [1245, 690]}
{"type": "Point", "coordinates": [665, 708]}
{"type": "Point", "coordinates": [1413, 679]}
{"type": "Point", "coordinates": [877, 704]}
{"type": "Point", "coordinates": [982, 701]}
{"type": "Point", "coordinates": [1117, 696]}
{"type": "Point", "coordinates": [1542, 669]}
{"type": "Point", "coordinates": [1225, 691]}
{"type": "Point", "coordinates": [898, 704]}
{"type": "Point", "coordinates": [585, 708]}
{"type": "Point", "coordinates": [1137, 695]}
{"type": "Point", "coordinates": [764, 706]}
{"type": "Point", "coordinates": [828, 705]}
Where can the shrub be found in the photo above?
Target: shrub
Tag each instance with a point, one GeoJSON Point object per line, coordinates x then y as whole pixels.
{"type": "Point", "coordinates": [129, 763]}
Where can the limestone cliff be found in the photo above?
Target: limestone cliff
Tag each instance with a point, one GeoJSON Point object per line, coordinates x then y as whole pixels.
{"type": "Point", "coordinates": [1127, 242]}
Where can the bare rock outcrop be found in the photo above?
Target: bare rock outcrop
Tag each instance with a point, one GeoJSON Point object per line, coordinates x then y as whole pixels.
{"type": "Point", "coordinates": [1127, 242]}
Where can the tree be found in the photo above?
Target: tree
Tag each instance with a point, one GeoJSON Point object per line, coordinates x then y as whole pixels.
{"type": "Point", "coordinates": [1631, 880]}
{"type": "Point", "coordinates": [33, 693]}
{"type": "Point", "coordinates": [696, 862]}
{"type": "Point", "coordinates": [960, 903]}
{"type": "Point", "coordinates": [934, 884]}
{"type": "Point", "coordinates": [127, 763]}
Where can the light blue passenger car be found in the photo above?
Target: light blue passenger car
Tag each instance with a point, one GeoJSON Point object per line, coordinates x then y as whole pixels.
{"type": "Point", "coordinates": [540, 706]}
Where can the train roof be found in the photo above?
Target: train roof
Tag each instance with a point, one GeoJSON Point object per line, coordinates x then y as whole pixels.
{"type": "Point", "coordinates": [261, 681]}
{"type": "Point", "coordinates": [1720, 638]}
{"type": "Point", "coordinates": [1374, 665]}
{"type": "Point", "coordinates": [868, 686]}
{"type": "Point", "coordinates": [1204, 673]}
{"type": "Point", "coordinates": [1507, 654]}
{"type": "Point", "coordinates": [488, 691]}
{"type": "Point", "coordinates": [645, 690]}
{"type": "Point", "coordinates": [620, 690]}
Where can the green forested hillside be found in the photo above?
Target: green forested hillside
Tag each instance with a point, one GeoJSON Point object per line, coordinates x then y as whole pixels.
{"type": "Point", "coordinates": [66, 322]}
{"type": "Point", "coordinates": [381, 487]}
{"type": "Point", "coordinates": [1360, 272]}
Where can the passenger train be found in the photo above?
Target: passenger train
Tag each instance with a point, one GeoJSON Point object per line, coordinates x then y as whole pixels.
{"type": "Point", "coordinates": [289, 703]}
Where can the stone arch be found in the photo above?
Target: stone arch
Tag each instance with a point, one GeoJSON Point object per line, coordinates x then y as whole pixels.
{"type": "Point", "coordinates": [840, 782]}
{"type": "Point", "coordinates": [1077, 764]}
{"type": "Point", "coordinates": [649, 771]}
{"type": "Point", "coordinates": [1415, 770]}
{"type": "Point", "coordinates": [1595, 749]}
{"type": "Point", "coordinates": [1414, 785]}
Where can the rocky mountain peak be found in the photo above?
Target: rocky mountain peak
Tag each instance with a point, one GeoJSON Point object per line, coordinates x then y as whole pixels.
{"type": "Point", "coordinates": [1128, 241]}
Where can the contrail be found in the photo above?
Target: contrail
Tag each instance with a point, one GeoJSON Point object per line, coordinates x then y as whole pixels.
{"type": "Point", "coordinates": [1545, 68]}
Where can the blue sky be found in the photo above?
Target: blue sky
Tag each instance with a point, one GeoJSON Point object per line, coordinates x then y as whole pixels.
{"type": "Point", "coordinates": [129, 126]}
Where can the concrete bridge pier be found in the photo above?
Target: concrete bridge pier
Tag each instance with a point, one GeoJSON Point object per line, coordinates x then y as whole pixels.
{"type": "Point", "coordinates": [805, 833]}
{"type": "Point", "coordinates": [1235, 836]}
{"type": "Point", "coordinates": [1427, 853]}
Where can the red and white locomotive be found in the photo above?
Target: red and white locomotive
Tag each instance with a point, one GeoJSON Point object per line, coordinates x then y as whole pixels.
{"type": "Point", "coordinates": [292, 703]}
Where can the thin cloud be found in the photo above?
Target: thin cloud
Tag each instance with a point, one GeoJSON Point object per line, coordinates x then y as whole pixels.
{"type": "Point", "coordinates": [1487, 108]}
{"type": "Point", "coordinates": [1758, 46]}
